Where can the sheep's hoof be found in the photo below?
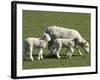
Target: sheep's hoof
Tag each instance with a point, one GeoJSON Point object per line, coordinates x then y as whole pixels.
{"type": "Point", "coordinates": [81, 54]}
{"type": "Point", "coordinates": [32, 59]}
{"type": "Point", "coordinates": [42, 58]}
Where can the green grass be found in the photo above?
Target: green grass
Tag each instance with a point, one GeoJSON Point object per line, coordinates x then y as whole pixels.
{"type": "Point", "coordinates": [35, 23]}
{"type": "Point", "coordinates": [53, 62]}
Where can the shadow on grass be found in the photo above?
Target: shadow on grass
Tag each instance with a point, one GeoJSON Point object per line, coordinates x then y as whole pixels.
{"type": "Point", "coordinates": [54, 57]}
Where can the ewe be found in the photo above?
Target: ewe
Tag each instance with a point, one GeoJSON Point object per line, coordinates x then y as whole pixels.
{"type": "Point", "coordinates": [59, 32]}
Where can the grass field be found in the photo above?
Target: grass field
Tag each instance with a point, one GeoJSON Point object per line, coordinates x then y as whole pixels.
{"type": "Point", "coordinates": [34, 24]}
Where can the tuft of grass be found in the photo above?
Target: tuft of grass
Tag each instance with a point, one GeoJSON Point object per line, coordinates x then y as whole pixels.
{"type": "Point", "coordinates": [35, 23]}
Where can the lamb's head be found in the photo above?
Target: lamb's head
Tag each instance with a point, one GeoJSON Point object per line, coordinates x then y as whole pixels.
{"type": "Point", "coordinates": [47, 37]}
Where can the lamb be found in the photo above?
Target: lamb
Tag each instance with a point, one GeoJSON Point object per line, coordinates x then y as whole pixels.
{"type": "Point", "coordinates": [60, 32]}
{"type": "Point", "coordinates": [62, 43]}
{"type": "Point", "coordinates": [39, 43]}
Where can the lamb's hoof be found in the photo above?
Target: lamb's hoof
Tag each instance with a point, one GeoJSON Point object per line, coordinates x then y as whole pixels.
{"type": "Point", "coordinates": [59, 57]}
{"type": "Point", "coordinates": [38, 58]}
{"type": "Point", "coordinates": [42, 59]}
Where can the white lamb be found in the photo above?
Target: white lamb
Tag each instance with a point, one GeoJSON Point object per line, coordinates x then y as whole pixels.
{"type": "Point", "coordinates": [39, 43]}
{"type": "Point", "coordinates": [60, 32]}
{"type": "Point", "coordinates": [62, 43]}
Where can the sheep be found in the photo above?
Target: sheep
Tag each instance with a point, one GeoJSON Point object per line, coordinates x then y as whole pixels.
{"type": "Point", "coordinates": [39, 43]}
{"type": "Point", "coordinates": [62, 43]}
{"type": "Point", "coordinates": [60, 32]}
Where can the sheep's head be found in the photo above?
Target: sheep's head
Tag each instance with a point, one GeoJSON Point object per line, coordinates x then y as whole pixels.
{"type": "Point", "coordinates": [47, 37]}
{"type": "Point", "coordinates": [86, 47]}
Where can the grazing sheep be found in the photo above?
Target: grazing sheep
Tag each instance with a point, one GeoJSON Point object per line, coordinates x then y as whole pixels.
{"type": "Point", "coordinates": [39, 43]}
{"type": "Point", "coordinates": [59, 32]}
{"type": "Point", "coordinates": [62, 43]}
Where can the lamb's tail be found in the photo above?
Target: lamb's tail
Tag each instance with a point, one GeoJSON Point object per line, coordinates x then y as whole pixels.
{"type": "Point", "coordinates": [25, 45]}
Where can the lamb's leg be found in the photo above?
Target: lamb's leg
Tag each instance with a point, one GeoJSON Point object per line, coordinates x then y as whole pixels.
{"type": "Point", "coordinates": [25, 50]}
{"type": "Point", "coordinates": [70, 52]}
{"type": "Point", "coordinates": [25, 54]}
{"type": "Point", "coordinates": [78, 50]}
{"type": "Point", "coordinates": [40, 54]}
{"type": "Point", "coordinates": [57, 53]}
{"type": "Point", "coordinates": [31, 57]}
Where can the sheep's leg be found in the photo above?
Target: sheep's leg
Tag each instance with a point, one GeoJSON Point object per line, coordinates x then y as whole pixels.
{"type": "Point", "coordinates": [78, 50]}
{"type": "Point", "coordinates": [31, 47]}
{"type": "Point", "coordinates": [79, 40]}
{"type": "Point", "coordinates": [52, 50]}
{"type": "Point", "coordinates": [40, 54]}
{"type": "Point", "coordinates": [50, 43]}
